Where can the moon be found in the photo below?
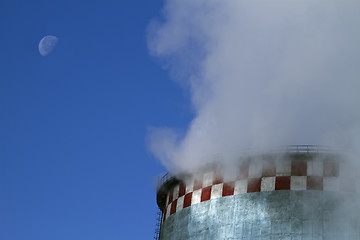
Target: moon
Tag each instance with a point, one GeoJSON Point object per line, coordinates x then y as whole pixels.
{"type": "Point", "coordinates": [47, 44]}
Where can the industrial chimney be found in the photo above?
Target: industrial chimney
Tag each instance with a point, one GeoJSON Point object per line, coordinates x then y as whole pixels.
{"type": "Point", "coordinates": [299, 192]}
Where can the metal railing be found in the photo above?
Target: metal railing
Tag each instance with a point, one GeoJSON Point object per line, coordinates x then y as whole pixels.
{"type": "Point", "coordinates": [162, 179]}
{"type": "Point", "coordinates": [158, 225]}
{"type": "Point", "coordinates": [289, 149]}
{"type": "Point", "coordinates": [308, 149]}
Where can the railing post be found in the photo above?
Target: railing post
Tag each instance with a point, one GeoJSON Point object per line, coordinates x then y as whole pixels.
{"type": "Point", "coordinates": [158, 226]}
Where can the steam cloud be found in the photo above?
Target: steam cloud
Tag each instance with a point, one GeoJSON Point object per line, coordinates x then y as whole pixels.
{"type": "Point", "coordinates": [260, 74]}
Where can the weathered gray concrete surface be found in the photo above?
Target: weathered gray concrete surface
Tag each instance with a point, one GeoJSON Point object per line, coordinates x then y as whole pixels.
{"type": "Point", "coordinates": [274, 215]}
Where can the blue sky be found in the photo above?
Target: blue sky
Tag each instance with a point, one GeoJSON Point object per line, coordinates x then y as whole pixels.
{"type": "Point", "coordinates": [73, 157]}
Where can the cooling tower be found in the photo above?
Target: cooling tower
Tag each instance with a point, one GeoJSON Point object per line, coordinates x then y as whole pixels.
{"type": "Point", "coordinates": [302, 193]}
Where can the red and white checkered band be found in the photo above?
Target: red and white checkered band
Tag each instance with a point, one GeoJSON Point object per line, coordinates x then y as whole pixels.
{"type": "Point", "coordinates": [259, 177]}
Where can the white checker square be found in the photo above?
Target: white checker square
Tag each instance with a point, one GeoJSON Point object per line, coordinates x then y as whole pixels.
{"type": "Point", "coordinates": [167, 199]}
{"type": "Point", "coordinates": [216, 191]}
{"type": "Point", "coordinates": [315, 168]}
{"type": "Point", "coordinates": [180, 203]}
{"type": "Point", "coordinates": [240, 186]}
{"type": "Point", "coordinates": [345, 170]}
{"type": "Point", "coordinates": [176, 192]}
{"type": "Point", "coordinates": [331, 184]}
{"type": "Point", "coordinates": [283, 168]}
{"type": "Point", "coordinates": [189, 186]}
{"type": "Point", "coordinates": [255, 170]}
{"type": "Point", "coordinates": [196, 197]}
{"type": "Point", "coordinates": [298, 183]}
{"type": "Point", "coordinates": [230, 176]}
{"type": "Point", "coordinates": [168, 211]}
{"type": "Point", "coordinates": [347, 184]}
{"type": "Point", "coordinates": [208, 179]}
{"type": "Point", "coordinates": [268, 184]}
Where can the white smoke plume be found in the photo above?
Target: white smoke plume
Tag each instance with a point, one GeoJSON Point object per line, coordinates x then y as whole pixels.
{"type": "Point", "coordinates": [261, 73]}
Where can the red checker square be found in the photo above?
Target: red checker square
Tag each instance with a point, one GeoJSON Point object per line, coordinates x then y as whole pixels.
{"type": "Point", "coordinates": [254, 185]}
{"type": "Point", "coordinates": [205, 194]}
{"type": "Point", "coordinates": [197, 184]}
{"type": "Point", "coordinates": [182, 189]}
{"type": "Point", "coordinates": [331, 169]}
{"type": "Point", "coordinates": [171, 196]}
{"type": "Point", "coordinates": [282, 183]}
{"type": "Point", "coordinates": [269, 169]}
{"type": "Point", "coordinates": [228, 189]}
{"type": "Point", "coordinates": [314, 183]}
{"type": "Point", "coordinates": [218, 178]}
{"type": "Point", "coordinates": [298, 168]}
{"type": "Point", "coordinates": [187, 200]}
{"type": "Point", "coordinates": [173, 207]}
{"type": "Point", "coordinates": [244, 172]}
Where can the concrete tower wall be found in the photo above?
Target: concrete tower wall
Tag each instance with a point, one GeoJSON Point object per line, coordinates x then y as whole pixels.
{"type": "Point", "coordinates": [289, 197]}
